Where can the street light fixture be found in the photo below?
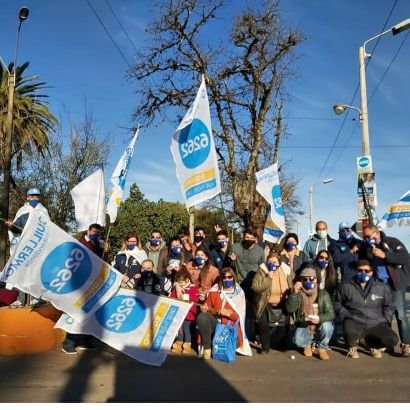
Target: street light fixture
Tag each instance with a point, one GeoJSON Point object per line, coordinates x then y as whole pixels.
{"type": "Point", "coordinates": [8, 144]}
{"type": "Point", "coordinates": [324, 181]}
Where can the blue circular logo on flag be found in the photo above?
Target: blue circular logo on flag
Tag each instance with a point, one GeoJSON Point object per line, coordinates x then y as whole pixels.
{"type": "Point", "coordinates": [277, 200]}
{"type": "Point", "coordinates": [194, 144]}
{"type": "Point", "coordinates": [121, 314]}
{"type": "Point", "coordinates": [66, 268]}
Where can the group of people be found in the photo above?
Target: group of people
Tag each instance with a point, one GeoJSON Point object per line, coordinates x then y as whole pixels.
{"type": "Point", "coordinates": [274, 293]}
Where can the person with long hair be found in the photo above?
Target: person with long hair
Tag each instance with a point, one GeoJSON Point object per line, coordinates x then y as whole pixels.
{"type": "Point", "coordinates": [326, 272]}
{"type": "Point", "coordinates": [225, 303]}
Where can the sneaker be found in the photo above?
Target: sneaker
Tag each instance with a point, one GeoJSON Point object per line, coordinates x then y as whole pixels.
{"type": "Point", "coordinates": [307, 351]}
{"type": "Point", "coordinates": [264, 351]}
{"type": "Point", "coordinates": [323, 355]}
{"type": "Point", "coordinates": [69, 349]}
{"type": "Point", "coordinates": [200, 351]}
{"type": "Point", "coordinates": [353, 353]}
{"type": "Point", "coordinates": [405, 350]}
{"type": "Point", "coordinates": [207, 354]}
{"type": "Point", "coordinates": [86, 346]}
{"type": "Point", "coordinates": [376, 353]}
{"type": "Point", "coordinates": [16, 304]}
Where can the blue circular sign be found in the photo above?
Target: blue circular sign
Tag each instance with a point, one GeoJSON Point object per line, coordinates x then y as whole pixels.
{"type": "Point", "coordinates": [194, 144]}
{"type": "Point", "coordinates": [121, 314]}
{"type": "Point", "coordinates": [277, 200]}
{"type": "Point", "coordinates": [363, 162]}
{"type": "Point", "coordinates": [66, 268]}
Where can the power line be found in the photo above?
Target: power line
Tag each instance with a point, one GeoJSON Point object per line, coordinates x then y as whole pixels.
{"type": "Point", "coordinates": [340, 146]}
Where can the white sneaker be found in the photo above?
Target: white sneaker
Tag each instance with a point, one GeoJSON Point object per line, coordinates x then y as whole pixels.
{"type": "Point", "coordinates": [16, 304]}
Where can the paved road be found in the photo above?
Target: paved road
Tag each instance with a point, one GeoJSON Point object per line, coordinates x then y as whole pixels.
{"type": "Point", "coordinates": [108, 376]}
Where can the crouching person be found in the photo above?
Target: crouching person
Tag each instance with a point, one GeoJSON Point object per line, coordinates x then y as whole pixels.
{"type": "Point", "coordinates": [314, 314]}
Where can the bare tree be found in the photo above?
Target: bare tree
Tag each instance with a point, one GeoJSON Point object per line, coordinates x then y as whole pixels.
{"type": "Point", "coordinates": [245, 76]}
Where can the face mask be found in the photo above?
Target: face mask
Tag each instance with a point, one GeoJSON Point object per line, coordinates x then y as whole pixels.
{"type": "Point", "coordinates": [198, 238]}
{"type": "Point", "coordinates": [199, 261]}
{"type": "Point", "coordinates": [323, 264]}
{"type": "Point", "coordinates": [176, 250]}
{"type": "Point", "coordinates": [155, 242]}
{"type": "Point", "coordinates": [94, 237]}
{"type": "Point", "coordinates": [345, 235]}
{"type": "Point", "coordinates": [228, 283]}
{"type": "Point", "coordinates": [33, 202]}
{"type": "Point", "coordinates": [271, 266]}
{"type": "Point", "coordinates": [131, 246]}
{"type": "Point", "coordinates": [371, 242]}
{"type": "Point", "coordinates": [322, 234]}
{"type": "Point", "coordinates": [289, 246]}
{"type": "Point", "coordinates": [222, 244]}
{"type": "Point", "coordinates": [247, 243]}
{"type": "Point", "coordinates": [308, 285]}
{"type": "Point", "coordinates": [146, 273]}
{"type": "Point", "coordinates": [363, 277]}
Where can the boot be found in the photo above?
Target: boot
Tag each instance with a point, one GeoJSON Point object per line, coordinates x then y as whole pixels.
{"type": "Point", "coordinates": [186, 348]}
{"type": "Point", "coordinates": [177, 347]}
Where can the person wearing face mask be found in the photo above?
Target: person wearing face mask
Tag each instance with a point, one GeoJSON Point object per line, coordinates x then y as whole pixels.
{"type": "Point", "coordinates": [326, 272]}
{"type": "Point", "coordinates": [314, 314]}
{"type": "Point", "coordinates": [129, 259]}
{"type": "Point", "coordinates": [391, 264]}
{"type": "Point", "coordinates": [92, 240]}
{"type": "Point", "coordinates": [271, 286]}
{"type": "Point", "coordinates": [156, 249]}
{"type": "Point", "coordinates": [366, 307]}
{"type": "Point", "coordinates": [319, 241]}
{"type": "Point", "coordinates": [290, 253]}
{"type": "Point", "coordinates": [220, 252]}
{"type": "Point", "coordinates": [225, 302]}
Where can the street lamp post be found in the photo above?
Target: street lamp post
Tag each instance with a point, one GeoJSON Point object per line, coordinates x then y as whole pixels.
{"type": "Point", "coordinates": [324, 181]}
{"type": "Point", "coordinates": [8, 145]}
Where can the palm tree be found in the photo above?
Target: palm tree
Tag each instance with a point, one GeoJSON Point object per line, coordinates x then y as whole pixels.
{"type": "Point", "coordinates": [31, 123]}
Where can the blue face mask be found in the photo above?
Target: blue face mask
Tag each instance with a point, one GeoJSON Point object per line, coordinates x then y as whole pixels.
{"type": "Point", "coordinates": [323, 264]}
{"type": "Point", "coordinates": [146, 273]}
{"type": "Point", "coordinates": [345, 235]}
{"type": "Point", "coordinates": [289, 246]}
{"type": "Point", "coordinates": [131, 246]}
{"type": "Point", "coordinates": [371, 241]}
{"type": "Point", "coordinates": [94, 237]}
{"type": "Point", "coordinates": [271, 266]}
{"type": "Point", "coordinates": [308, 285]}
{"type": "Point", "coordinates": [222, 244]}
{"type": "Point", "coordinates": [362, 277]}
{"type": "Point", "coordinates": [33, 202]}
{"type": "Point", "coordinates": [154, 242]}
{"type": "Point", "coordinates": [176, 250]}
{"type": "Point", "coordinates": [199, 260]}
{"type": "Point", "coordinates": [228, 283]}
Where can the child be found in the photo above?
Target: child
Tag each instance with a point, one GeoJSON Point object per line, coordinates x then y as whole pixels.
{"type": "Point", "coordinates": [185, 290]}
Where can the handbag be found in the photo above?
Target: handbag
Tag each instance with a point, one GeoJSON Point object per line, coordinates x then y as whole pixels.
{"type": "Point", "coordinates": [224, 342]}
{"type": "Point", "coordinates": [276, 317]}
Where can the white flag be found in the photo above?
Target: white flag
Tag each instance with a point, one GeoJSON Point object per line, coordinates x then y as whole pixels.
{"type": "Point", "coordinates": [267, 184]}
{"type": "Point", "coordinates": [89, 201]}
{"type": "Point", "coordinates": [118, 179]}
{"type": "Point", "coordinates": [140, 325]}
{"type": "Point", "coordinates": [51, 264]}
{"type": "Point", "coordinates": [193, 150]}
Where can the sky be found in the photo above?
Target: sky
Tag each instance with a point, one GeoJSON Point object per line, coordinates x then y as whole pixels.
{"type": "Point", "coordinates": [70, 50]}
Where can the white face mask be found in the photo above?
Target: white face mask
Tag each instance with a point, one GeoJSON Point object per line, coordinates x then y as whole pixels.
{"type": "Point", "coordinates": [322, 234]}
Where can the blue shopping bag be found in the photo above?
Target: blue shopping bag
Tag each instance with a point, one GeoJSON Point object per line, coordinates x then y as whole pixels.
{"type": "Point", "coordinates": [224, 342]}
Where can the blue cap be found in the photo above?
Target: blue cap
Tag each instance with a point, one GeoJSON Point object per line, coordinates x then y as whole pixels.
{"type": "Point", "coordinates": [33, 191]}
{"type": "Point", "coordinates": [344, 225]}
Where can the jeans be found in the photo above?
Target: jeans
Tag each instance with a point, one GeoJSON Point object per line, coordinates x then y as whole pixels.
{"type": "Point", "coordinates": [322, 335]}
{"type": "Point", "coordinates": [399, 298]}
{"type": "Point", "coordinates": [186, 331]}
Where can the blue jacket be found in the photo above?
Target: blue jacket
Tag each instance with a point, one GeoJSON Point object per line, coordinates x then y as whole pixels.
{"type": "Point", "coordinates": [344, 259]}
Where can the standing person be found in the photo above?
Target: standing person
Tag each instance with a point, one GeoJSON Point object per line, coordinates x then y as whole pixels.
{"type": "Point", "coordinates": [147, 275]}
{"type": "Point", "coordinates": [319, 241]}
{"type": "Point", "coordinates": [225, 302]}
{"type": "Point", "coordinates": [271, 286]}
{"type": "Point", "coordinates": [129, 259]}
{"type": "Point", "coordinates": [220, 252]}
{"type": "Point", "coordinates": [155, 247]}
{"type": "Point", "coordinates": [247, 256]}
{"type": "Point", "coordinates": [92, 240]}
{"type": "Point", "coordinates": [390, 262]}
{"type": "Point", "coordinates": [16, 226]}
{"type": "Point", "coordinates": [188, 248]}
{"type": "Point", "coordinates": [291, 254]}
{"type": "Point", "coordinates": [314, 314]}
{"type": "Point", "coordinates": [366, 307]}
{"type": "Point", "coordinates": [185, 290]}
{"type": "Point", "coordinates": [199, 239]}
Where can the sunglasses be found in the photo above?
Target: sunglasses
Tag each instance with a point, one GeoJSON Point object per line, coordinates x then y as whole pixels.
{"type": "Point", "coordinates": [364, 271]}
{"type": "Point", "coordinates": [227, 277]}
{"type": "Point", "coordinates": [308, 279]}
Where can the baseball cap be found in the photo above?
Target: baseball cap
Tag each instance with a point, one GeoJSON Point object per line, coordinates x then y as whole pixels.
{"type": "Point", "coordinates": [344, 225]}
{"type": "Point", "coordinates": [33, 191]}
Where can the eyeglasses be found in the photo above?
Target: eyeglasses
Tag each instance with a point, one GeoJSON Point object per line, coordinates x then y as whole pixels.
{"type": "Point", "coordinates": [227, 277]}
{"type": "Point", "coordinates": [308, 279]}
{"type": "Point", "coordinates": [364, 270]}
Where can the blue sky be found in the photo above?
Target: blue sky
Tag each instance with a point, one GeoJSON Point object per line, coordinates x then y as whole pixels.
{"type": "Point", "coordinates": [69, 49]}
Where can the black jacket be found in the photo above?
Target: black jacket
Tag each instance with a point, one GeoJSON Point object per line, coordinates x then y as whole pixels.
{"type": "Point", "coordinates": [344, 259]}
{"type": "Point", "coordinates": [369, 306]}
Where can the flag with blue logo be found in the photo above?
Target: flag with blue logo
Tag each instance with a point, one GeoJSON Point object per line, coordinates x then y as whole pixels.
{"type": "Point", "coordinates": [398, 214]}
{"type": "Point", "coordinates": [118, 179]}
{"type": "Point", "coordinates": [267, 184]}
{"type": "Point", "coordinates": [193, 150]}
{"type": "Point", "coordinates": [52, 265]}
{"type": "Point", "coordinates": [139, 324]}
